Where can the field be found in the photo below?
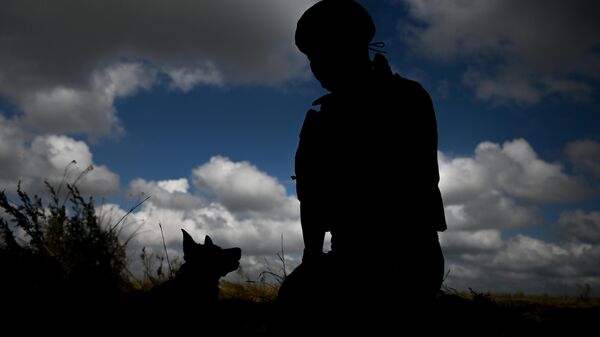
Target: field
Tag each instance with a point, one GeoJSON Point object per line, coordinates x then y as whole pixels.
{"type": "Point", "coordinates": [460, 313]}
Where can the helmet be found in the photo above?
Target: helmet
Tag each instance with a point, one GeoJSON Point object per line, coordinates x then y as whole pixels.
{"type": "Point", "coordinates": [334, 24]}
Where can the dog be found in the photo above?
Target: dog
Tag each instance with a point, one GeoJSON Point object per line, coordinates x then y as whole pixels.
{"type": "Point", "coordinates": [198, 278]}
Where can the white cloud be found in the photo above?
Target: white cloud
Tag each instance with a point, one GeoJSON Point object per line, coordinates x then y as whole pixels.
{"type": "Point", "coordinates": [50, 157]}
{"type": "Point", "coordinates": [585, 155]}
{"type": "Point", "coordinates": [259, 239]}
{"type": "Point", "coordinates": [477, 255]}
{"type": "Point", "coordinates": [524, 253]}
{"type": "Point", "coordinates": [238, 205]}
{"type": "Point", "coordinates": [491, 210]}
{"type": "Point", "coordinates": [242, 188]}
{"type": "Point", "coordinates": [478, 258]}
{"type": "Point", "coordinates": [504, 186]}
{"type": "Point", "coordinates": [462, 179]}
{"type": "Point", "coordinates": [186, 79]}
{"type": "Point", "coordinates": [516, 51]}
{"type": "Point", "coordinates": [526, 176]}
{"type": "Point", "coordinates": [175, 185]}
{"type": "Point", "coordinates": [171, 194]}
{"type": "Point", "coordinates": [66, 80]}
{"type": "Point", "coordinates": [482, 261]}
{"type": "Point", "coordinates": [469, 242]}
{"type": "Point", "coordinates": [513, 169]}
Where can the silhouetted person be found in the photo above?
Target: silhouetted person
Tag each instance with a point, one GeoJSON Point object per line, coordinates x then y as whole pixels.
{"type": "Point", "coordinates": [367, 171]}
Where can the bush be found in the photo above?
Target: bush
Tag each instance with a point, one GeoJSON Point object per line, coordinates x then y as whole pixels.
{"type": "Point", "coordinates": [55, 251]}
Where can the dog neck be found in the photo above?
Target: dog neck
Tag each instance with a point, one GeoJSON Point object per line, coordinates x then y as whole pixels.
{"type": "Point", "coordinates": [191, 283]}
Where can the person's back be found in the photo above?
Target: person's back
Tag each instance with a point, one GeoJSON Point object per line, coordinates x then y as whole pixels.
{"type": "Point", "coordinates": [367, 162]}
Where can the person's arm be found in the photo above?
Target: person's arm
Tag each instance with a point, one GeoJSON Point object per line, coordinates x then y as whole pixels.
{"type": "Point", "coordinates": [439, 219]}
{"type": "Point", "coordinates": [305, 167]}
{"type": "Point", "coordinates": [312, 232]}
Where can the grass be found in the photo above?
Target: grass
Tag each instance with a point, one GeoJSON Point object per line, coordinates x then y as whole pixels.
{"type": "Point", "coordinates": [250, 291]}
{"type": "Point", "coordinates": [67, 243]}
{"type": "Point", "coordinates": [566, 302]}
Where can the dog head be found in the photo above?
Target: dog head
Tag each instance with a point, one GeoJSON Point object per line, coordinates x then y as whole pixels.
{"type": "Point", "coordinates": [213, 259]}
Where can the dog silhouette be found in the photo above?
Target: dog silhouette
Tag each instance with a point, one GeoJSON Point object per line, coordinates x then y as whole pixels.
{"type": "Point", "coordinates": [191, 295]}
{"type": "Point", "coordinates": [198, 278]}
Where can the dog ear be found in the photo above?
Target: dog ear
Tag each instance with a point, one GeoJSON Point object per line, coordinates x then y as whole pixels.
{"type": "Point", "coordinates": [188, 243]}
{"type": "Point", "coordinates": [208, 241]}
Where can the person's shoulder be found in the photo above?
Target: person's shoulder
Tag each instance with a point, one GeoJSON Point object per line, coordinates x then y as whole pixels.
{"type": "Point", "coordinates": [386, 76]}
{"type": "Point", "coordinates": [410, 85]}
{"type": "Point", "coordinates": [323, 99]}
{"type": "Point", "coordinates": [411, 88]}
{"type": "Point", "coordinates": [310, 121]}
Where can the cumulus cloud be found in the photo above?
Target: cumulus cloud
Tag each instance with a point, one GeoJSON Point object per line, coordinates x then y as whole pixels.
{"type": "Point", "coordinates": [513, 169]}
{"type": "Point", "coordinates": [515, 50]}
{"type": "Point", "coordinates": [242, 188]}
{"type": "Point", "coordinates": [64, 64]}
{"type": "Point", "coordinates": [237, 204]}
{"type": "Point", "coordinates": [484, 262]}
{"type": "Point", "coordinates": [50, 157]}
{"type": "Point", "coordinates": [186, 78]}
{"type": "Point", "coordinates": [585, 155]}
{"type": "Point", "coordinates": [458, 242]}
{"type": "Point", "coordinates": [524, 253]}
{"type": "Point", "coordinates": [233, 202]}
{"type": "Point", "coordinates": [175, 185]}
{"type": "Point", "coordinates": [503, 187]}
{"type": "Point", "coordinates": [171, 194]}
{"type": "Point", "coordinates": [491, 210]}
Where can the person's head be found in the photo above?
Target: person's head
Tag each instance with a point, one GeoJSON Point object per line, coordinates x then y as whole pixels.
{"type": "Point", "coordinates": [335, 36]}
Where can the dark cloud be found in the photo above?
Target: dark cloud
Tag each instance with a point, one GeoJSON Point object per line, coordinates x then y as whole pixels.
{"type": "Point", "coordinates": [517, 51]}
{"type": "Point", "coordinates": [580, 226]}
{"type": "Point", "coordinates": [58, 58]}
{"type": "Point", "coordinates": [585, 155]}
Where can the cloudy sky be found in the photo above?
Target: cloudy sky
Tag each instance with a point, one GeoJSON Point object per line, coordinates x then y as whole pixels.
{"type": "Point", "coordinates": [198, 104]}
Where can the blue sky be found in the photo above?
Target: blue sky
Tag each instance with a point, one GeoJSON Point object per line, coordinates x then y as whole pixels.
{"type": "Point", "coordinates": [199, 104]}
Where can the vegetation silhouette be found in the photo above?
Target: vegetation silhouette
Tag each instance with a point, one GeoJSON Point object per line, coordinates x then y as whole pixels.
{"type": "Point", "coordinates": [59, 252]}
{"type": "Point", "coordinates": [57, 262]}
{"type": "Point", "coordinates": [366, 171]}
{"type": "Point", "coordinates": [64, 269]}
